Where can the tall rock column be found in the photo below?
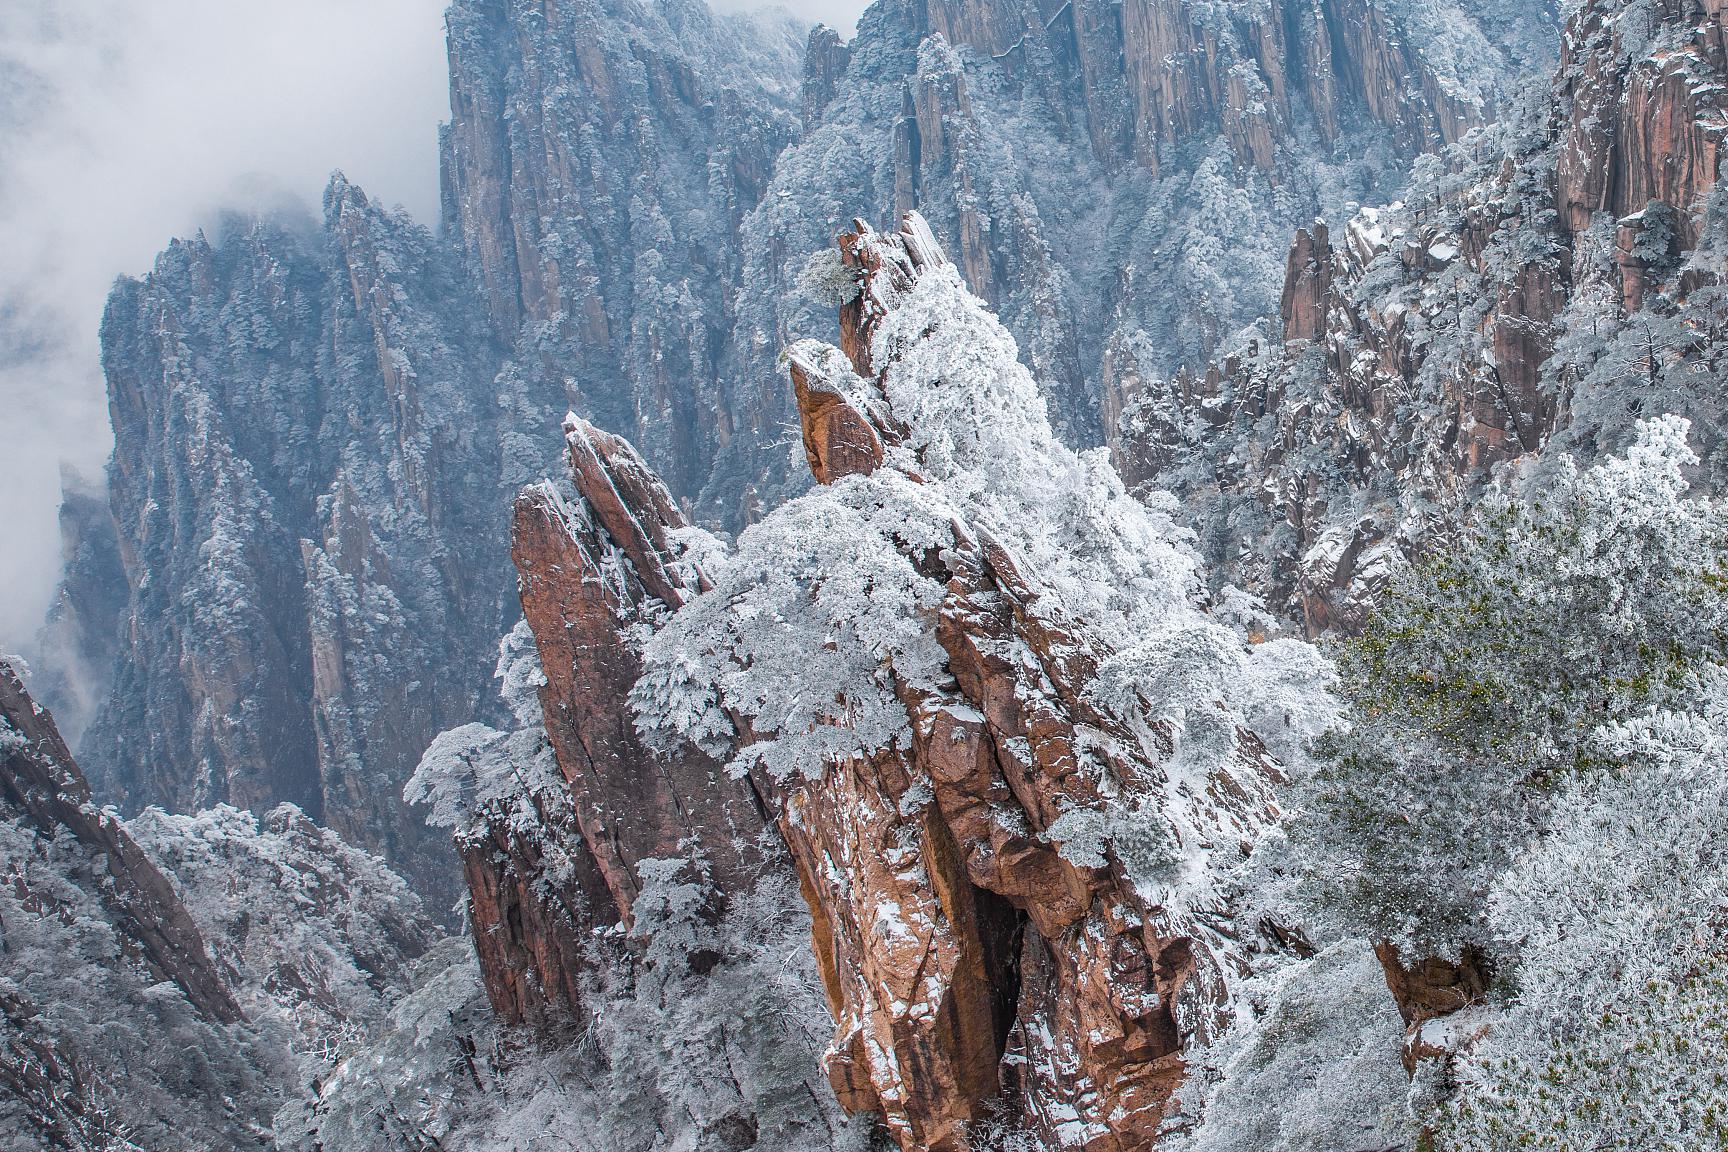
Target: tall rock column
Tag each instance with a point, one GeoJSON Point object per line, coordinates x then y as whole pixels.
{"type": "Point", "coordinates": [591, 575]}
{"type": "Point", "coordinates": [955, 781]}
{"type": "Point", "coordinates": [586, 808]}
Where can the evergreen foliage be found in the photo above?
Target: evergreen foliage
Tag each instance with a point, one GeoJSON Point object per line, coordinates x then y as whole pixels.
{"type": "Point", "coordinates": [1483, 676]}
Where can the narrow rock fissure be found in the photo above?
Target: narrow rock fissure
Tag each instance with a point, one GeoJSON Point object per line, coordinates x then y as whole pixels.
{"type": "Point", "coordinates": [1001, 928]}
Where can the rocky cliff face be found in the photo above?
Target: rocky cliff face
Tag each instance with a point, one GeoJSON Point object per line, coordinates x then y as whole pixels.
{"type": "Point", "coordinates": [598, 165]}
{"type": "Point", "coordinates": [981, 928]}
{"type": "Point", "coordinates": [1558, 286]}
{"type": "Point", "coordinates": [102, 962]}
{"type": "Point", "coordinates": [82, 632]}
{"type": "Point", "coordinates": [1013, 828]}
{"type": "Point", "coordinates": [46, 794]}
{"type": "Point", "coordinates": [1564, 283]}
{"type": "Point", "coordinates": [592, 575]}
{"type": "Point", "coordinates": [302, 433]}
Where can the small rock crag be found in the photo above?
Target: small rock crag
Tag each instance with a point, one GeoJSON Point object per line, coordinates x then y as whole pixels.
{"type": "Point", "coordinates": [42, 786]}
{"type": "Point", "coordinates": [588, 574]}
{"type": "Point", "coordinates": [593, 574]}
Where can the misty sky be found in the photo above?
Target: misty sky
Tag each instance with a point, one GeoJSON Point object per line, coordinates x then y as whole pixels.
{"type": "Point", "coordinates": [124, 123]}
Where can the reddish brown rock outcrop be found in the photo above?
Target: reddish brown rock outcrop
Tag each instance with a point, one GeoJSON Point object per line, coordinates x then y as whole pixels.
{"type": "Point", "coordinates": [972, 967]}
{"type": "Point", "coordinates": [531, 906]}
{"type": "Point", "coordinates": [1640, 116]}
{"type": "Point", "coordinates": [1307, 284]}
{"type": "Point", "coordinates": [592, 573]}
{"type": "Point", "coordinates": [588, 574]}
{"type": "Point", "coordinates": [987, 951]}
{"type": "Point", "coordinates": [1429, 989]}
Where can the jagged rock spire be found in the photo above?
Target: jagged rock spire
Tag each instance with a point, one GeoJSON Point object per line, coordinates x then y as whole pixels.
{"type": "Point", "coordinates": [988, 947]}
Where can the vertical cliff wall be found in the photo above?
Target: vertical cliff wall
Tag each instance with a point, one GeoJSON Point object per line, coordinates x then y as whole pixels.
{"type": "Point", "coordinates": [314, 423]}
{"type": "Point", "coordinates": [598, 165]}
{"type": "Point", "coordinates": [304, 451]}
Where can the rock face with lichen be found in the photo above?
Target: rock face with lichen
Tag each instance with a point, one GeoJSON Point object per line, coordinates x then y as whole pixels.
{"type": "Point", "coordinates": [1562, 283]}
{"type": "Point", "coordinates": [1014, 826]}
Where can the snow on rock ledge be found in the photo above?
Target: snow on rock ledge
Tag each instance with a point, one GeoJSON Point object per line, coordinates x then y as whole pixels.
{"type": "Point", "coordinates": [1005, 744]}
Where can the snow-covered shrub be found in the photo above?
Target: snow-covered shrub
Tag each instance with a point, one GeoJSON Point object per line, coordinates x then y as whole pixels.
{"type": "Point", "coordinates": [724, 1058]}
{"type": "Point", "coordinates": [97, 1054]}
{"type": "Point", "coordinates": [475, 776]}
{"type": "Point", "coordinates": [1317, 1071]}
{"type": "Point", "coordinates": [1616, 1038]}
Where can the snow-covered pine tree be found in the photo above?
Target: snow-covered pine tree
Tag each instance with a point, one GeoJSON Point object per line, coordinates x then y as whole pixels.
{"type": "Point", "coordinates": [1592, 597]}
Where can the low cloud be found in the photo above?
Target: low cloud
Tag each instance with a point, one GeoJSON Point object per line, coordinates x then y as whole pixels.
{"type": "Point", "coordinates": [125, 124]}
{"type": "Point", "coordinates": [841, 15]}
